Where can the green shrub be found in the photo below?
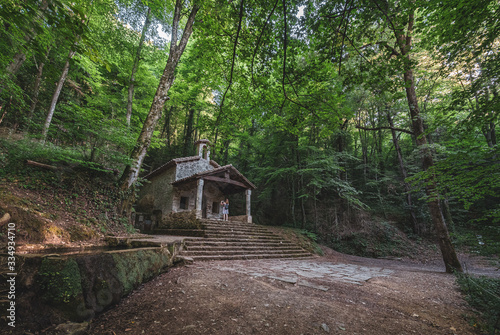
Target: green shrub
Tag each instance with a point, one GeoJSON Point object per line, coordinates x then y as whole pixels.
{"type": "Point", "coordinates": [483, 294]}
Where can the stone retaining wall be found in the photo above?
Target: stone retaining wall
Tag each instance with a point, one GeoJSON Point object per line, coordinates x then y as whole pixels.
{"type": "Point", "coordinates": [53, 289]}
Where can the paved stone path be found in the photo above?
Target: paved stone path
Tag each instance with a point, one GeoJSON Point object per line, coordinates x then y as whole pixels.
{"type": "Point", "coordinates": [300, 271]}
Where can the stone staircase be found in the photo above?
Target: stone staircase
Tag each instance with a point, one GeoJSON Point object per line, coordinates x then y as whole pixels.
{"type": "Point", "coordinates": [226, 240]}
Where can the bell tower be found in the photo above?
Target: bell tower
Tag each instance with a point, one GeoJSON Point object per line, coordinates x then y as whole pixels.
{"type": "Point", "coordinates": [202, 148]}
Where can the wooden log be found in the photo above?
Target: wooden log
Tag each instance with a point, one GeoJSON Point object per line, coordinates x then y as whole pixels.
{"type": "Point", "coordinates": [41, 165]}
{"type": "Point", "coordinates": [5, 219]}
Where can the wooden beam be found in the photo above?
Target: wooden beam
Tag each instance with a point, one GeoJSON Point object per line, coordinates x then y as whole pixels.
{"type": "Point", "coordinates": [224, 180]}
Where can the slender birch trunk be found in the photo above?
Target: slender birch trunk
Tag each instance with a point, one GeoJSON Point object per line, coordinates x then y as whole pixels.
{"type": "Point", "coordinates": [55, 96]}
{"type": "Point", "coordinates": [36, 90]}
{"type": "Point", "coordinates": [131, 173]}
{"type": "Point", "coordinates": [136, 65]}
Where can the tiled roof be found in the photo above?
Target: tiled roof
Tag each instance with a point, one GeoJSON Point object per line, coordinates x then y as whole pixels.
{"type": "Point", "coordinates": [229, 167]}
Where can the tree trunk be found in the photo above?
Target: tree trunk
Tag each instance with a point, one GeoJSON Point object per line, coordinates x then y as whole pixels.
{"type": "Point", "coordinates": [225, 156]}
{"type": "Point", "coordinates": [166, 127]}
{"type": "Point", "coordinates": [20, 57]}
{"type": "Point", "coordinates": [448, 251]}
{"type": "Point", "coordinates": [16, 63]}
{"type": "Point", "coordinates": [489, 134]}
{"type": "Point", "coordinates": [4, 112]}
{"type": "Point", "coordinates": [36, 90]}
{"type": "Point", "coordinates": [55, 96]}
{"type": "Point", "coordinates": [131, 173]}
{"type": "Point", "coordinates": [188, 140]}
{"type": "Point", "coordinates": [447, 214]}
{"type": "Point", "coordinates": [136, 65]}
{"type": "Point", "coordinates": [417, 229]}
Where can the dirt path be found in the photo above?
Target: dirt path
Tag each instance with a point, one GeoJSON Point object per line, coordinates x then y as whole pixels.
{"type": "Point", "coordinates": [318, 296]}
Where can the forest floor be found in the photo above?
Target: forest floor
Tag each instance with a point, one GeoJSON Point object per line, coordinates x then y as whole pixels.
{"type": "Point", "coordinates": [377, 296]}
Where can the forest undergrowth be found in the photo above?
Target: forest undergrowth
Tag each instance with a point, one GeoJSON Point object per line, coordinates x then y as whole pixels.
{"type": "Point", "coordinates": [64, 202]}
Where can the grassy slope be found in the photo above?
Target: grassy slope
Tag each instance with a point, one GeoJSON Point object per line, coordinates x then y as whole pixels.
{"type": "Point", "coordinates": [72, 204]}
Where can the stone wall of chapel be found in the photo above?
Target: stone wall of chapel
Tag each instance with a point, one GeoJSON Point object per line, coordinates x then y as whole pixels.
{"type": "Point", "coordinates": [187, 169]}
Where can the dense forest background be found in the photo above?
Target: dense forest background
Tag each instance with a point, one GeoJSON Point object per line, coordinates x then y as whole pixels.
{"type": "Point", "coordinates": [354, 118]}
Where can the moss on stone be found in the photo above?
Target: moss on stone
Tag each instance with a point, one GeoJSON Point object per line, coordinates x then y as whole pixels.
{"type": "Point", "coordinates": [133, 268]}
{"type": "Point", "coordinates": [181, 220]}
{"type": "Point", "coordinates": [59, 280]}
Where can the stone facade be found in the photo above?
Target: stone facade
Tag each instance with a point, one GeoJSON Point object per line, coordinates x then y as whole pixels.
{"type": "Point", "coordinates": [189, 168]}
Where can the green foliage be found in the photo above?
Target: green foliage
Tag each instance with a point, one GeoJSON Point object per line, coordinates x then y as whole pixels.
{"type": "Point", "coordinates": [461, 27]}
{"type": "Point", "coordinates": [16, 153]}
{"type": "Point", "coordinates": [309, 234]}
{"type": "Point", "coordinates": [482, 294]}
{"type": "Point", "coordinates": [478, 237]}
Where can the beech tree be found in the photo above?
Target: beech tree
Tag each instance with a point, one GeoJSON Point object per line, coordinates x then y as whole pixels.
{"type": "Point", "coordinates": [131, 173]}
{"type": "Point", "coordinates": [55, 96]}
{"type": "Point", "coordinates": [391, 33]}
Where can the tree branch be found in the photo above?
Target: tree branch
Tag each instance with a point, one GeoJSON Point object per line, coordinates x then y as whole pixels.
{"type": "Point", "coordinates": [234, 55]}
{"type": "Point", "coordinates": [232, 66]}
{"type": "Point", "coordinates": [359, 52]}
{"type": "Point", "coordinates": [391, 128]}
{"type": "Point", "coordinates": [402, 48]}
{"type": "Point", "coordinates": [260, 36]}
{"type": "Point", "coordinates": [175, 27]}
{"type": "Point", "coordinates": [284, 48]}
{"type": "Point", "coordinates": [345, 30]}
{"type": "Point", "coordinates": [186, 33]}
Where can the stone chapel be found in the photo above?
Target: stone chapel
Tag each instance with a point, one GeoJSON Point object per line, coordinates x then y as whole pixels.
{"type": "Point", "coordinates": [194, 184]}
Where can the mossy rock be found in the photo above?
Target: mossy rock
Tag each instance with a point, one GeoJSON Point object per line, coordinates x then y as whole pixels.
{"type": "Point", "coordinates": [134, 268]}
{"type": "Point", "coordinates": [100, 285]}
{"type": "Point", "coordinates": [59, 282]}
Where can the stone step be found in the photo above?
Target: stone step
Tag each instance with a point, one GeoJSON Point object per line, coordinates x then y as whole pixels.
{"type": "Point", "coordinates": [241, 247]}
{"type": "Point", "coordinates": [242, 226]}
{"type": "Point", "coordinates": [235, 246]}
{"type": "Point", "coordinates": [230, 224]}
{"type": "Point", "coordinates": [242, 236]}
{"type": "Point", "coordinates": [238, 231]}
{"type": "Point", "coordinates": [177, 232]}
{"type": "Point", "coordinates": [228, 228]}
{"type": "Point", "coordinates": [236, 241]}
{"type": "Point", "coordinates": [225, 240]}
{"type": "Point", "coordinates": [191, 253]}
{"type": "Point", "coordinates": [249, 256]}
{"type": "Point", "coordinates": [261, 249]}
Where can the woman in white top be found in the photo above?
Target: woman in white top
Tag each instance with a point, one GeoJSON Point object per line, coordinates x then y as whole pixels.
{"type": "Point", "coordinates": [225, 210]}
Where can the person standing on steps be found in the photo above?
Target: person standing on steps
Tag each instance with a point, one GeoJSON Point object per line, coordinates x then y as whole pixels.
{"type": "Point", "coordinates": [225, 209]}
